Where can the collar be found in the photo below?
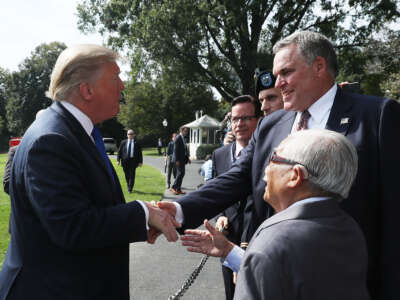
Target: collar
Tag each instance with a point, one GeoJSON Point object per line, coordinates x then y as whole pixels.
{"type": "Point", "coordinates": [238, 149]}
{"type": "Point", "coordinates": [320, 109]}
{"type": "Point", "coordinates": [80, 117]}
{"type": "Point", "coordinates": [309, 200]}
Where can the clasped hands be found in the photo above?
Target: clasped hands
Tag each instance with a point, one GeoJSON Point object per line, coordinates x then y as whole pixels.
{"type": "Point", "coordinates": [211, 241]}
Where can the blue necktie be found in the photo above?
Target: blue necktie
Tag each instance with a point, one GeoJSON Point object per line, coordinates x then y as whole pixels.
{"type": "Point", "coordinates": [98, 140]}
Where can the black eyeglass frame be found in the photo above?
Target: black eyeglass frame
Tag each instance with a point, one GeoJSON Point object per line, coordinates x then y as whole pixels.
{"type": "Point", "coordinates": [279, 159]}
{"type": "Point", "coordinates": [243, 118]}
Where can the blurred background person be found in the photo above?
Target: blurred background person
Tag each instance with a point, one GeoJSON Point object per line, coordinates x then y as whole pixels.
{"type": "Point", "coordinates": [130, 157]}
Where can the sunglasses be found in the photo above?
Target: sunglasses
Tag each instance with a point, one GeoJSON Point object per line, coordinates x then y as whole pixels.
{"type": "Point", "coordinates": [279, 159]}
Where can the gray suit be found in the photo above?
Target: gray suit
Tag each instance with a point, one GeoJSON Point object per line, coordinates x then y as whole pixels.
{"type": "Point", "coordinates": [309, 251]}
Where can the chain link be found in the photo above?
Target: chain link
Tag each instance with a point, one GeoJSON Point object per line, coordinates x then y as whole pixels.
{"type": "Point", "coordinates": [190, 280]}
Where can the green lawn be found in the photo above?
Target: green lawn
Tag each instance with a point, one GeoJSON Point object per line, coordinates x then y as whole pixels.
{"type": "Point", "coordinates": [149, 185]}
{"type": "Point", "coordinates": [152, 151]}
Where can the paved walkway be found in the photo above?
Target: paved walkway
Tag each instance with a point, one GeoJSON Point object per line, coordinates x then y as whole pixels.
{"type": "Point", "coordinates": [158, 271]}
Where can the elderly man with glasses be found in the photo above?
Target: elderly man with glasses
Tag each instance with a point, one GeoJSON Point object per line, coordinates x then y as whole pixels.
{"type": "Point", "coordinates": [310, 249]}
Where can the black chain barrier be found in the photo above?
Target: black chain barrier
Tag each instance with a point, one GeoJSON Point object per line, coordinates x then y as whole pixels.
{"type": "Point", "coordinates": [178, 295]}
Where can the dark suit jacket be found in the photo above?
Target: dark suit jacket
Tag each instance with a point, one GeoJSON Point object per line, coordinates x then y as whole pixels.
{"type": "Point", "coordinates": [222, 162]}
{"type": "Point", "coordinates": [70, 227]}
{"type": "Point", "coordinates": [180, 152]}
{"type": "Point", "coordinates": [7, 169]}
{"type": "Point", "coordinates": [310, 251]}
{"type": "Point", "coordinates": [123, 152]}
{"type": "Point", "coordinates": [372, 125]}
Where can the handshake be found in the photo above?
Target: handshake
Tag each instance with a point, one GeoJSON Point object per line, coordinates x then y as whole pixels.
{"type": "Point", "coordinates": [162, 220]}
{"type": "Point", "coordinates": [211, 241]}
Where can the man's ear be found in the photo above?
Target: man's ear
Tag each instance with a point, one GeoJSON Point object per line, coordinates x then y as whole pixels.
{"type": "Point", "coordinates": [298, 175]}
{"type": "Point", "coordinates": [319, 65]}
{"type": "Point", "coordinates": [86, 91]}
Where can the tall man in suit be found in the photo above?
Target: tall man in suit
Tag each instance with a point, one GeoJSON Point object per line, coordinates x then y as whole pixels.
{"type": "Point", "coordinates": [130, 157]}
{"type": "Point", "coordinates": [71, 227]}
{"type": "Point", "coordinates": [180, 157]}
{"type": "Point", "coordinates": [171, 169]}
{"type": "Point", "coordinates": [305, 66]}
{"type": "Point", "coordinates": [245, 113]}
{"type": "Point", "coordinates": [310, 249]}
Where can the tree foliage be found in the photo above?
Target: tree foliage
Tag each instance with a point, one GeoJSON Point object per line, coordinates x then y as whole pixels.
{"type": "Point", "coordinates": [27, 87]}
{"type": "Point", "coordinates": [221, 42]}
{"type": "Point", "coordinates": [147, 105]}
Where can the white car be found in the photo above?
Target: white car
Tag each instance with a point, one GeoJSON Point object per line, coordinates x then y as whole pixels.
{"type": "Point", "coordinates": [110, 145]}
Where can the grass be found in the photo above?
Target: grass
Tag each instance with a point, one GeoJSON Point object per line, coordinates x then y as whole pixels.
{"type": "Point", "coordinates": [149, 185]}
{"type": "Point", "coordinates": [151, 151]}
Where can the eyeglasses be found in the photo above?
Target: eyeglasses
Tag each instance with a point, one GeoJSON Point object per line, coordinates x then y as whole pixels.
{"type": "Point", "coordinates": [244, 119]}
{"type": "Point", "coordinates": [279, 159]}
{"type": "Point", "coordinates": [131, 134]}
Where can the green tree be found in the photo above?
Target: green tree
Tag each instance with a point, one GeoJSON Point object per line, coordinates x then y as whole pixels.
{"type": "Point", "coordinates": [27, 86]}
{"type": "Point", "coordinates": [391, 87]}
{"type": "Point", "coordinates": [221, 42]}
{"type": "Point", "coordinates": [4, 79]}
{"type": "Point", "coordinates": [147, 105]}
{"type": "Point", "coordinates": [372, 64]}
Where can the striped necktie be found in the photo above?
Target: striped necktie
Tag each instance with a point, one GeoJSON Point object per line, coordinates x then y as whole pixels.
{"type": "Point", "coordinates": [305, 116]}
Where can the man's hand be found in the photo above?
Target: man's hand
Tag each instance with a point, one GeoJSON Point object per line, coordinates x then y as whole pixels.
{"type": "Point", "coordinates": [222, 224]}
{"type": "Point", "coordinates": [140, 164]}
{"type": "Point", "coordinates": [168, 207]}
{"type": "Point", "coordinates": [177, 164]}
{"type": "Point", "coordinates": [211, 242]}
{"type": "Point", "coordinates": [229, 138]}
{"type": "Point", "coordinates": [161, 221]}
{"type": "Point", "coordinates": [118, 162]}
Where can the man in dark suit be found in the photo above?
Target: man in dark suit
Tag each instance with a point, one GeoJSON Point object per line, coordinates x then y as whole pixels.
{"type": "Point", "coordinates": [310, 249]}
{"type": "Point", "coordinates": [171, 168]}
{"type": "Point", "coordinates": [305, 66]}
{"type": "Point", "coordinates": [245, 113]}
{"type": "Point", "coordinates": [180, 157]}
{"type": "Point", "coordinates": [71, 227]}
{"type": "Point", "coordinates": [130, 157]}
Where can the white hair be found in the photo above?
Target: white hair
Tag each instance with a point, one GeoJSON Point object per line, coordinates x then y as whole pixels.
{"type": "Point", "coordinates": [77, 64]}
{"type": "Point", "coordinates": [328, 154]}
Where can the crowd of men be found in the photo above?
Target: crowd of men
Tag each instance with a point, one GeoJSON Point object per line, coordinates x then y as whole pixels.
{"type": "Point", "coordinates": [309, 191]}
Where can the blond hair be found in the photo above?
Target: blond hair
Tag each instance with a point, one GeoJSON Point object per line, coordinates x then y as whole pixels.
{"type": "Point", "coordinates": [77, 64]}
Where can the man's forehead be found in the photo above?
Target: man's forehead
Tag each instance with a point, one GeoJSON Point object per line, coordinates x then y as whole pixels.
{"type": "Point", "coordinates": [267, 92]}
{"type": "Point", "coordinates": [285, 57]}
{"type": "Point", "coordinates": [243, 108]}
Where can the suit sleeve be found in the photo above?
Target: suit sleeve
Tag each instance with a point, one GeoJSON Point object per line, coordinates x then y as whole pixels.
{"type": "Point", "coordinates": [221, 192]}
{"type": "Point", "coordinates": [260, 277]}
{"type": "Point", "coordinates": [140, 161]}
{"type": "Point", "coordinates": [7, 169]}
{"type": "Point", "coordinates": [73, 199]}
{"type": "Point", "coordinates": [389, 145]}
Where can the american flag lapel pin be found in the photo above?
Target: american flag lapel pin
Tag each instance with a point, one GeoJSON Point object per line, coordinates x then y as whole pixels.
{"type": "Point", "coordinates": [344, 121]}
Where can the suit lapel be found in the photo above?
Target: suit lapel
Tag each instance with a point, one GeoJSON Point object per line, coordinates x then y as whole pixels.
{"type": "Point", "coordinates": [341, 116]}
{"type": "Point", "coordinates": [85, 141]}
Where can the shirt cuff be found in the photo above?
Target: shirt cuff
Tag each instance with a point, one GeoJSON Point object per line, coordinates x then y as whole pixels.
{"type": "Point", "coordinates": [146, 212]}
{"type": "Point", "coordinates": [179, 213]}
{"type": "Point", "coordinates": [233, 259]}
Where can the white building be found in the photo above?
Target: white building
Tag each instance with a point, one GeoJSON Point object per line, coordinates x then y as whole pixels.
{"type": "Point", "coordinates": [202, 131]}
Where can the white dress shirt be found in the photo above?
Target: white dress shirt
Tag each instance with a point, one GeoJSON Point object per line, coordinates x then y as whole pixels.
{"type": "Point", "coordinates": [87, 125]}
{"type": "Point", "coordinates": [319, 111]}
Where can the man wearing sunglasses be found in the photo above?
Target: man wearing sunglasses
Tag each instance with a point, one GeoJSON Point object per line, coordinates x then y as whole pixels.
{"type": "Point", "coordinates": [310, 249]}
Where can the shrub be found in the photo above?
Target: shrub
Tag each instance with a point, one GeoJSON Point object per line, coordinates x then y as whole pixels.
{"type": "Point", "coordinates": [203, 150]}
